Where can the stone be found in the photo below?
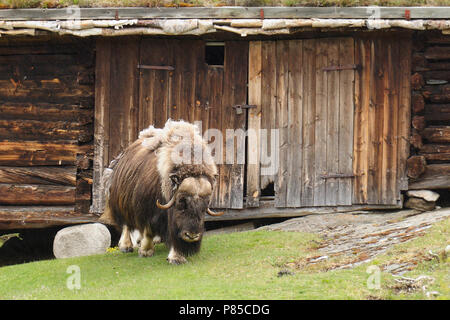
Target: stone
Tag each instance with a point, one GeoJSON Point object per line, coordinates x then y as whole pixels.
{"type": "Point", "coordinates": [81, 240]}
{"type": "Point", "coordinates": [420, 204]}
{"type": "Point", "coordinates": [427, 195]}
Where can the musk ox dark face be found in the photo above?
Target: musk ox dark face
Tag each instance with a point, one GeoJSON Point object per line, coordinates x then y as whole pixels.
{"type": "Point", "coordinates": [186, 210]}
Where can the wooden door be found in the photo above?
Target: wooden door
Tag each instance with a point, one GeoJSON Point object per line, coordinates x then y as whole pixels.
{"type": "Point", "coordinates": [304, 93]}
{"type": "Point", "coordinates": [190, 89]}
{"type": "Point", "coordinates": [142, 82]}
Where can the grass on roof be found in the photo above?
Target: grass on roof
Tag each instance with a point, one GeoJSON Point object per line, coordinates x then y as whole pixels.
{"type": "Point", "coordinates": [6, 4]}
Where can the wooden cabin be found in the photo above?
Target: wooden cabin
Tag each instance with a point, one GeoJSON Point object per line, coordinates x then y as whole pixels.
{"type": "Point", "coordinates": [352, 108]}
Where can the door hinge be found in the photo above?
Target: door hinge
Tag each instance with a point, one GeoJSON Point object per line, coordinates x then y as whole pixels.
{"type": "Point", "coordinates": [239, 107]}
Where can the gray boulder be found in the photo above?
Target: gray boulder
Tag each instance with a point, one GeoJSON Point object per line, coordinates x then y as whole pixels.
{"type": "Point", "coordinates": [81, 240]}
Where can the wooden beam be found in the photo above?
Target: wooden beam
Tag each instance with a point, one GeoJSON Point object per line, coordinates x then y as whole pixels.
{"type": "Point", "coordinates": [29, 194]}
{"type": "Point", "coordinates": [16, 218]}
{"type": "Point", "coordinates": [39, 175]}
{"type": "Point", "coordinates": [225, 13]}
{"type": "Point", "coordinates": [436, 176]}
{"type": "Point", "coordinates": [267, 210]}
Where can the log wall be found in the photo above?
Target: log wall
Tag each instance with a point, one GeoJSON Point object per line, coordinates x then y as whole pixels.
{"type": "Point", "coordinates": [429, 165]}
{"type": "Point", "coordinates": [46, 130]}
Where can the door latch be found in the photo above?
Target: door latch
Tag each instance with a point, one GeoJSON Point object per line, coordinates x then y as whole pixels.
{"type": "Point", "coordinates": [239, 107]}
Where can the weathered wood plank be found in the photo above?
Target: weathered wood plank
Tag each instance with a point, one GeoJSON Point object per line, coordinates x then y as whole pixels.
{"type": "Point", "coordinates": [309, 115]}
{"type": "Point", "coordinates": [254, 124]}
{"type": "Point", "coordinates": [154, 85]}
{"type": "Point", "coordinates": [123, 103]}
{"type": "Point", "coordinates": [17, 194]}
{"type": "Point", "coordinates": [52, 130]}
{"type": "Point", "coordinates": [282, 56]}
{"type": "Point", "coordinates": [320, 121]}
{"type": "Point", "coordinates": [268, 116]}
{"type": "Point", "coordinates": [332, 124]}
{"type": "Point", "coordinates": [436, 176]}
{"type": "Point", "coordinates": [437, 134]}
{"type": "Point", "coordinates": [295, 118]}
{"type": "Point", "coordinates": [345, 120]}
{"type": "Point", "coordinates": [215, 82]}
{"type": "Point", "coordinates": [236, 59]}
{"type": "Point", "coordinates": [39, 175]}
{"type": "Point", "coordinates": [17, 217]}
{"type": "Point", "coordinates": [49, 112]}
{"type": "Point", "coordinates": [404, 112]}
{"type": "Point", "coordinates": [30, 153]}
{"type": "Point", "coordinates": [361, 134]}
{"type": "Point", "coordinates": [102, 122]}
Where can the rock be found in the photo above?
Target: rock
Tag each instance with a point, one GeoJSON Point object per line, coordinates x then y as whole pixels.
{"type": "Point", "coordinates": [81, 240]}
{"type": "Point", "coordinates": [420, 204]}
{"type": "Point", "coordinates": [427, 195]}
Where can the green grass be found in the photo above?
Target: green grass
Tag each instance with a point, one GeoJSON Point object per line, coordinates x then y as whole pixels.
{"type": "Point", "coordinates": [229, 266]}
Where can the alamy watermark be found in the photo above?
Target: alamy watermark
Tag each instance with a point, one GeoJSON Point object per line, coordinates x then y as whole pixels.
{"type": "Point", "coordinates": [229, 147]}
{"type": "Point", "coordinates": [73, 282]}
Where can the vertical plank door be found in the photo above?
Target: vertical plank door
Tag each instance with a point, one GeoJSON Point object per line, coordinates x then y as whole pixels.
{"type": "Point", "coordinates": [303, 91]}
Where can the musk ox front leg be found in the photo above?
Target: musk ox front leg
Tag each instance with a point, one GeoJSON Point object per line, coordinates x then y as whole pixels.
{"type": "Point", "coordinates": [147, 248]}
{"type": "Point", "coordinates": [125, 244]}
{"type": "Point", "coordinates": [175, 257]}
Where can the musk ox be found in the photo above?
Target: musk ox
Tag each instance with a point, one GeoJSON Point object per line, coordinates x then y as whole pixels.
{"type": "Point", "coordinates": [161, 185]}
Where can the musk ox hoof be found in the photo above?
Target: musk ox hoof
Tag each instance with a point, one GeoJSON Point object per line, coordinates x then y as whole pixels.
{"type": "Point", "coordinates": [126, 249]}
{"type": "Point", "coordinates": [177, 260]}
{"type": "Point", "coordinates": [146, 253]}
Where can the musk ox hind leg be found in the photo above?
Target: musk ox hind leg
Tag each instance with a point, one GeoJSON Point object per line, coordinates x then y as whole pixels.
{"type": "Point", "coordinates": [175, 257]}
{"type": "Point", "coordinates": [125, 244]}
{"type": "Point", "coordinates": [146, 248]}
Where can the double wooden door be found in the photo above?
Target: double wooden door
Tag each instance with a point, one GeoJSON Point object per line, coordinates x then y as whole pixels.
{"type": "Point", "coordinates": [325, 124]}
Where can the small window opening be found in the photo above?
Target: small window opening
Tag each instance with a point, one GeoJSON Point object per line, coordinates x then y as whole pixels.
{"type": "Point", "coordinates": [215, 53]}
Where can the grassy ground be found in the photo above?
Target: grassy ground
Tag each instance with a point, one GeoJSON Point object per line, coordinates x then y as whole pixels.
{"type": "Point", "coordinates": [230, 266]}
{"type": "Point", "coordinates": [155, 3]}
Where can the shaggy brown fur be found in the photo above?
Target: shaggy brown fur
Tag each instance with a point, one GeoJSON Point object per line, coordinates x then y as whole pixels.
{"type": "Point", "coordinates": [143, 175]}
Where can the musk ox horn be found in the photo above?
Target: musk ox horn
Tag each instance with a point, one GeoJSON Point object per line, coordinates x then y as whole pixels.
{"type": "Point", "coordinates": [214, 214]}
{"type": "Point", "coordinates": [167, 205]}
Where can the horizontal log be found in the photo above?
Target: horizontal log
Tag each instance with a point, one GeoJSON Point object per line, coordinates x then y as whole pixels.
{"type": "Point", "coordinates": [29, 153]}
{"type": "Point", "coordinates": [45, 90]}
{"type": "Point", "coordinates": [416, 139]}
{"type": "Point", "coordinates": [24, 217]}
{"type": "Point", "coordinates": [39, 175]}
{"type": "Point", "coordinates": [267, 210]}
{"type": "Point", "coordinates": [436, 75]}
{"type": "Point", "coordinates": [435, 152]}
{"type": "Point", "coordinates": [437, 134]}
{"type": "Point", "coordinates": [52, 130]}
{"type": "Point", "coordinates": [437, 53]}
{"type": "Point", "coordinates": [437, 112]}
{"type": "Point", "coordinates": [49, 112]}
{"type": "Point", "coordinates": [15, 194]}
{"type": "Point", "coordinates": [440, 98]}
{"type": "Point", "coordinates": [436, 176]}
